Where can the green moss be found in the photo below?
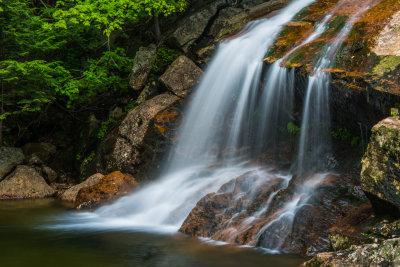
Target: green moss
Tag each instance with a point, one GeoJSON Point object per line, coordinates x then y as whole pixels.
{"type": "Point", "coordinates": [386, 64]}
{"type": "Point", "coordinates": [338, 23]}
{"type": "Point", "coordinates": [292, 128]}
{"type": "Point", "coordinates": [84, 164]}
{"type": "Point", "coordinates": [301, 14]}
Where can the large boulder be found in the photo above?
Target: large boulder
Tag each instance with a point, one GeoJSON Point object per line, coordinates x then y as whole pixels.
{"type": "Point", "coordinates": [181, 76]}
{"type": "Point", "coordinates": [71, 194]}
{"type": "Point", "coordinates": [25, 182]}
{"type": "Point", "coordinates": [105, 191]}
{"type": "Point", "coordinates": [269, 212]}
{"type": "Point", "coordinates": [192, 27]}
{"type": "Point", "coordinates": [142, 137]}
{"type": "Point", "coordinates": [142, 66]}
{"type": "Point", "coordinates": [380, 175]}
{"type": "Point", "coordinates": [42, 150]}
{"type": "Point", "coordinates": [10, 157]}
{"type": "Point", "coordinates": [386, 253]}
{"type": "Point", "coordinates": [49, 174]}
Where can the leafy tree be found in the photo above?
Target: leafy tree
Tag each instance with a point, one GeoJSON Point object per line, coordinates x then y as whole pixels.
{"type": "Point", "coordinates": [64, 51]}
{"type": "Point", "coordinates": [109, 16]}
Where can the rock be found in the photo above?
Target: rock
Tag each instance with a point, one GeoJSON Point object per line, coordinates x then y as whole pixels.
{"type": "Point", "coordinates": [142, 66]}
{"type": "Point", "coordinates": [25, 182]}
{"type": "Point", "coordinates": [148, 92]}
{"type": "Point", "coordinates": [49, 174]}
{"type": "Point", "coordinates": [380, 175]}
{"type": "Point", "coordinates": [388, 41]}
{"type": "Point", "coordinates": [253, 211]}
{"type": "Point", "coordinates": [108, 189]}
{"type": "Point", "coordinates": [350, 230]}
{"type": "Point", "coordinates": [192, 27]}
{"type": "Point", "coordinates": [181, 76]}
{"type": "Point", "coordinates": [34, 160]}
{"type": "Point", "coordinates": [10, 157]}
{"type": "Point", "coordinates": [138, 142]}
{"type": "Point", "coordinates": [71, 194]}
{"type": "Point", "coordinates": [229, 18]}
{"type": "Point", "coordinates": [386, 253]}
{"type": "Point", "coordinates": [60, 188]}
{"type": "Point", "coordinates": [43, 150]}
{"type": "Point", "coordinates": [386, 229]}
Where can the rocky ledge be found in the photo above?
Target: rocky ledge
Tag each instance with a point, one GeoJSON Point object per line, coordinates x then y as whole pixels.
{"type": "Point", "coordinates": [386, 253]}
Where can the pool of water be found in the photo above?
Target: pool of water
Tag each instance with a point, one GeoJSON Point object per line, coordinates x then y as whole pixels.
{"type": "Point", "coordinates": [26, 240]}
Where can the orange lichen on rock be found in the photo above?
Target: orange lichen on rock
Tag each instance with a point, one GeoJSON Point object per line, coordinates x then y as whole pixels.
{"type": "Point", "coordinates": [165, 117]}
{"type": "Point", "coordinates": [107, 190]}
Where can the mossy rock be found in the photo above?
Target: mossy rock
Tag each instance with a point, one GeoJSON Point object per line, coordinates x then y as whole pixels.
{"type": "Point", "coordinates": [380, 175]}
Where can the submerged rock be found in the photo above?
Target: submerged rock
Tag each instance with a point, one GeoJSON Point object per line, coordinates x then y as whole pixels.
{"type": "Point", "coordinates": [25, 182]}
{"type": "Point", "coordinates": [72, 193]}
{"type": "Point", "coordinates": [386, 253]}
{"type": "Point", "coordinates": [380, 175]}
{"type": "Point", "coordinates": [106, 190]}
{"type": "Point", "coordinates": [10, 157]}
{"type": "Point", "coordinates": [181, 76]}
{"type": "Point", "coordinates": [142, 66]}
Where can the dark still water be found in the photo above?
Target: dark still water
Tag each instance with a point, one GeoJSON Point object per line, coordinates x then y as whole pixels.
{"type": "Point", "coordinates": [26, 242]}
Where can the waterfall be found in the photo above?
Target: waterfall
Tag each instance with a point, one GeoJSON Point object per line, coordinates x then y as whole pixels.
{"type": "Point", "coordinates": [236, 114]}
{"type": "Point", "coordinates": [222, 119]}
{"type": "Point", "coordinates": [315, 141]}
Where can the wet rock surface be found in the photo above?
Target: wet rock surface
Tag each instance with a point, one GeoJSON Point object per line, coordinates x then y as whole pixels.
{"type": "Point", "coordinates": [10, 157]}
{"type": "Point", "coordinates": [106, 190]}
{"type": "Point", "coordinates": [23, 183]}
{"type": "Point", "coordinates": [275, 213]}
{"type": "Point", "coordinates": [71, 194]}
{"type": "Point", "coordinates": [380, 175]}
{"type": "Point", "coordinates": [181, 76]}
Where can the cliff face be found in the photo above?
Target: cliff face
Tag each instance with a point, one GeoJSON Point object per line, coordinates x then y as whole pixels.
{"type": "Point", "coordinates": [370, 52]}
{"type": "Point", "coordinates": [365, 75]}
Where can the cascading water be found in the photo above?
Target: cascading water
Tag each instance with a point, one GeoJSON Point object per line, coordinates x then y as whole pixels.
{"type": "Point", "coordinates": [215, 127]}
{"type": "Point", "coordinates": [315, 145]}
{"type": "Point", "coordinates": [236, 113]}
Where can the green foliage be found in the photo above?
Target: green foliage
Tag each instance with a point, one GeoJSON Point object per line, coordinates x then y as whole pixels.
{"type": "Point", "coordinates": [20, 83]}
{"type": "Point", "coordinates": [163, 58]}
{"type": "Point", "coordinates": [85, 163]}
{"type": "Point", "coordinates": [106, 127]}
{"type": "Point", "coordinates": [292, 128]}
{"type": "Point", "coordinates": [101, 75]}
{"type": "Point", "coordinates": [344, 134]}
{"type": "Point", "coordinates": [109, 16]}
